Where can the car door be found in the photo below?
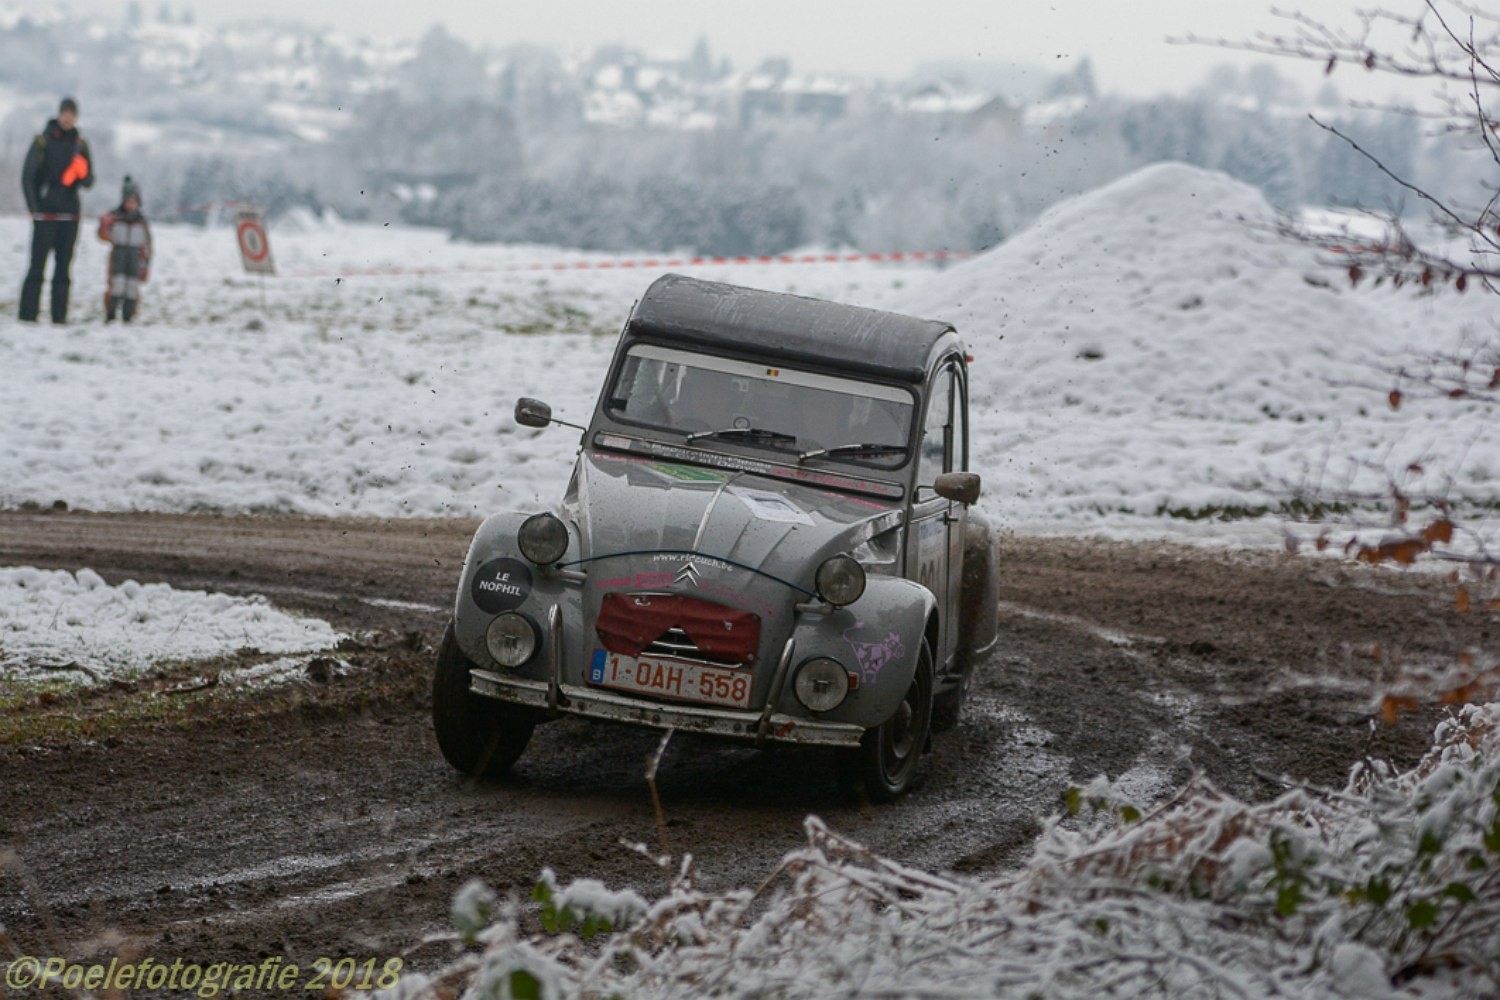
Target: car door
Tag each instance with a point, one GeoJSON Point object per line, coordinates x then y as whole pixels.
{"type": "Point", "coordinates": [934, 546]}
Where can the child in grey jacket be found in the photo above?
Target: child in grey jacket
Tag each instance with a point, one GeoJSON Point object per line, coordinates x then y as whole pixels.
{"type": "Point", "coordinates": [129, 236]}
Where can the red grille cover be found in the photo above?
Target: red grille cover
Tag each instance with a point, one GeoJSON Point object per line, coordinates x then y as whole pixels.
{"type": "Point", "coordinates": [628, 623]}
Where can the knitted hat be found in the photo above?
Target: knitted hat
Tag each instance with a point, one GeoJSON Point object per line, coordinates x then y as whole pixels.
{"type": "Point", "coordinates": [130, 189]}
{"type": "Point", "coordinates": [68, 104]}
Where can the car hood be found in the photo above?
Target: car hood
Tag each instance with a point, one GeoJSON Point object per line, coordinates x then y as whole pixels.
{"type": "Point", "coordinates": [632, 507]}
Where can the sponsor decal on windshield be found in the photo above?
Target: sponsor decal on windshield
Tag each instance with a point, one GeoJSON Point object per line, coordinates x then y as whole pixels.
{"type": "Point", "coordinates": [686, 473]}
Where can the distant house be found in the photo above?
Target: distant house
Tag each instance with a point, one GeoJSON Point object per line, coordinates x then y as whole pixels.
{"type": "Point", "coordinates": [999, 114]}
{"type": "Point", "coordinates": [949, 106]}
{"type": "Point", "coordinates": [633, 89]}
{"type": "Point", "coordinates": [770, 94]}
{"type": "Point", "coordinates": [619, 108]}
{"type": "Point", "coordinates": [819, 97]}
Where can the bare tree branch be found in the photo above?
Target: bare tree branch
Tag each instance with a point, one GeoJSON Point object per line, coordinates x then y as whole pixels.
{"type": "Point", "coordinates": [1455, 45]}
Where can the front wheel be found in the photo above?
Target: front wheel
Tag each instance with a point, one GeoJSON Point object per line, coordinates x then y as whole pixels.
{"type": "Point", "coordinates": [477, 736]}
{"type": "Point", "coordinates": [886, 762]}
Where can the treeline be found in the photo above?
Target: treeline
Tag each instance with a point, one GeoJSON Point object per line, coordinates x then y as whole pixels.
{"type": "Point", "coordinates": [876, 182]}
{"type": "Point", "coordinates": [510, 156]}
{"type": "Point", "coordinates": [885, 182]}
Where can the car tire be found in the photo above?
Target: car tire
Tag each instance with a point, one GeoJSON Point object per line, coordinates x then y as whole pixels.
{"type": "Point", "coordinates": [479, 737]}
{"type": "Point", "coordinates": [884, 766]}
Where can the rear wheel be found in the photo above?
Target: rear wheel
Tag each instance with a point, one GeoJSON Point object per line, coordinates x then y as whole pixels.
{"type": "Point", "coordinates": [477, 736]}
{"type": "Point", "coordinates": [886, 762]}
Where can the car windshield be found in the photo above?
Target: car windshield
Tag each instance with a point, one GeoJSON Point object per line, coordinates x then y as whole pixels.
{"type": "Point", "coordinates": [809, 416]}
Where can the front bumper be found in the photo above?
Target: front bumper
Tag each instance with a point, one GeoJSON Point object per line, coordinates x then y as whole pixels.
{"type": "Point", "coordinates": [591, 702]}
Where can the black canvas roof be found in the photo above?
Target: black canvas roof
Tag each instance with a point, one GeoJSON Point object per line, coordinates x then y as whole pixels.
{"type": "Point", "coordinates": [793, 328]}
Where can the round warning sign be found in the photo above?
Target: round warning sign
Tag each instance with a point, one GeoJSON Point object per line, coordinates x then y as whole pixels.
{"type": "Point", "coordinates": [253, 242]}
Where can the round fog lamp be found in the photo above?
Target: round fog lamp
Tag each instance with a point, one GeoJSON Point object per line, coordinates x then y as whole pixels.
{"type": "Point", "coordinates": [840, 580]}
{"type": "Point", "coordinates": [543, 539]}
{"type": "Point", "coordinates": [511, 639]}
{"type": "Point", "coordinates": [821, 684]}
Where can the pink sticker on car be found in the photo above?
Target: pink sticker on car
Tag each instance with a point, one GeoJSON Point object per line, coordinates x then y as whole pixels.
{"type": "Point", "coordinates": [873, 656]}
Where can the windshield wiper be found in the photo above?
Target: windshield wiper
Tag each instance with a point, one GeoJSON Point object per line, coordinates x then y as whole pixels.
{"type": "Point", "coordinates": [852, 449]}
{"type": "Point", "coordinates": [751, 433]}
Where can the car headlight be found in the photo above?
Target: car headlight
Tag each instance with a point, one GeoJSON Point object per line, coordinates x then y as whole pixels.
{"type": "Point", "coordinates": [543, 539]}
{"type": "Point", "coordinates": [840, 580]}
{"type": "Point", "coordinates": [821, 684]}
{"type": "Point", "coordinates": [511, 639]}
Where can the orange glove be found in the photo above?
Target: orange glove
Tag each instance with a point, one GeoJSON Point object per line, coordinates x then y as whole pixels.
{"type": "Point", "coordinates": [77, 170]}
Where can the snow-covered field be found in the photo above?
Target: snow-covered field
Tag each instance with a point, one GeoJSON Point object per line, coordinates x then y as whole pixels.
{"type": "Point", "coordinates": [1147, 363]}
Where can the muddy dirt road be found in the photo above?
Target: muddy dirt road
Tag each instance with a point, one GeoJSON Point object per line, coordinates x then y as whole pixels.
{"type": "Point", "coordinates": [322, 822]}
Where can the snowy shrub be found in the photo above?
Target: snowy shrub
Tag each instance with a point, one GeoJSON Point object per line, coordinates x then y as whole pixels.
{"type": "Point", "coordinates": [473, 909]}
{"type": "Point", "coordinates": [585, 905]}
{"type": "Point", "coordinates": [1388, 887]}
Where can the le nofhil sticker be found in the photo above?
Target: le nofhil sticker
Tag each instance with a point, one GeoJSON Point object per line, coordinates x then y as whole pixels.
{"type": "Point", "coordinates": [501, 584]}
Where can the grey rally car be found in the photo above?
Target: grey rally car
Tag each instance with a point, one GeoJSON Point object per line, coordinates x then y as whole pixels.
{"type": "Point", "coordinates": [767, 537]}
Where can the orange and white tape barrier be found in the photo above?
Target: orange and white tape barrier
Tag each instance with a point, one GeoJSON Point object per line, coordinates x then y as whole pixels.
{"type": "Point", "coordinates": [645, 263]}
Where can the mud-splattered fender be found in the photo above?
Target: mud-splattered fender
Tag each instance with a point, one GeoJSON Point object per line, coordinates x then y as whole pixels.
{"type": "Point", "coordinates": [878, 638]}
{"type": "Point", "coordinates": [979, 607]}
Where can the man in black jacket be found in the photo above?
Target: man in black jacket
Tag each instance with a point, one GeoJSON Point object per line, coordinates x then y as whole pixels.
{"type": "Point", "coordinates": [57, 166]}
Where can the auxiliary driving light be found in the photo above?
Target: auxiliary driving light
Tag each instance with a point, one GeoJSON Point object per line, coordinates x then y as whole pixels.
{"type": "Point", "coordinates": [511, 639]}
{"type": "Point", "coordinates": [543, 539]}
{"type": "Point", "coordinates": [840, 580]}
{"type": "Point", "coordinates": [821, 684]}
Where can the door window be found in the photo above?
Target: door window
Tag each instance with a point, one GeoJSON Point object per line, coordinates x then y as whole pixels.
{"type": "Point", "coordinates": [937, 432]}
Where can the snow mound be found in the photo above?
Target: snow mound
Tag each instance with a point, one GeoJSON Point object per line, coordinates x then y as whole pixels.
{"type": "Point", "coordinates": [1153, 346]}
{"type": "Point", "coordinates": [1162, 288]}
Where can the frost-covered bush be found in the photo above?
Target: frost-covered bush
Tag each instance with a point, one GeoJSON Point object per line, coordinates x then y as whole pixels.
{"type": "Point", "coordinates": [1390, 887]}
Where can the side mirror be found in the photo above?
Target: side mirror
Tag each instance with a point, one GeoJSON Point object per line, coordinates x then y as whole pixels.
{"type": "Point", "coordinates": [962, 487]}
{"type": "Point", "coordinates": [535, 413]}
{"type": "Point", "coordinates": [532, 412]}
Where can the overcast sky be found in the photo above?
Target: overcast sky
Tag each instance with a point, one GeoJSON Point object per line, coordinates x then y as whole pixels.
{"type": "Point", "coordinates": [1126, 39]}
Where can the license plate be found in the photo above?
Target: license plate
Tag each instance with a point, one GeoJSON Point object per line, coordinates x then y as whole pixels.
{"type": "Point", "coordinates": [671, 679]}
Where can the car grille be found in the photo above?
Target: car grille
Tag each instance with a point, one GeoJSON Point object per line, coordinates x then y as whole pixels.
{"type": "Point", "coordinates": [678, 626]}
{"type": "Point", "coordinates": [676, 642]}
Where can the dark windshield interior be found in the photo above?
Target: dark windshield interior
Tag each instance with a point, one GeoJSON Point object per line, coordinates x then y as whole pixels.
{"type": "Point", "coordinates": [722, 400]}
